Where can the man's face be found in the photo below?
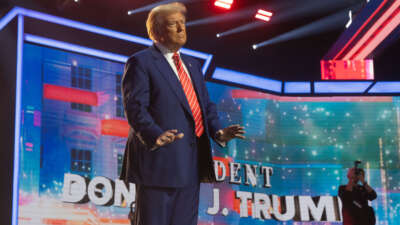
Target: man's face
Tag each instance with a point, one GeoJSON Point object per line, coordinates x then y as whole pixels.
{"type": "Point", "coordinates": [173, 34]}
{"type": "Point", "coordinates": [353, 177]}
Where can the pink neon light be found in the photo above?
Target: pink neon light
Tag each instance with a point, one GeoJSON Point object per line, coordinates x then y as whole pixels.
{"type": "Point", "coordinates": [37, 118]}
{"type": "Point", "coordinates": [372, 32]}
{"type": "Point", "coordinates": [360, 29]}
{"type": "Point", "coordinates": [29, 144]}
{"type": "Point", "coordinates": [380, 34]}
{"type": "Point", "coordinates": [248, 94]}
{"type": "Point", "coordinates": [261, 17]}
{"type": "Point", "coordinates": [264, 13]}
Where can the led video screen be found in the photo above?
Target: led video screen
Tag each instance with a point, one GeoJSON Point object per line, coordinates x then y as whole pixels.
{"type": "Point", "coordinates": [287, 171]}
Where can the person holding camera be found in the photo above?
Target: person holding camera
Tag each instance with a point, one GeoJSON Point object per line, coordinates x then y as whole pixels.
{"type": "Point", "coordinates": [355, 208]}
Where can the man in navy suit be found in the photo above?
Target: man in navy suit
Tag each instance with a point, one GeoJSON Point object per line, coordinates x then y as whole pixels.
{"type": "Point", "coordinates": [166, 102]}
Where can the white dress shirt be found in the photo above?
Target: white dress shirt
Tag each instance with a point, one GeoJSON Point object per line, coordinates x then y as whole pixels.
{"type": "Point", "coordinates": [168, 56]}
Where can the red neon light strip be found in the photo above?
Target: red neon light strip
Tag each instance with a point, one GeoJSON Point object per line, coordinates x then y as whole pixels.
{"type": "Point", "coordinates": [379, 35]}
{"type": "Point", "coordinates": [67, 94]}
{"type": "Point", "coordinates": [114, 127]}
{"type": "Point", "coordinates": [361, 28]}
{"type": "Point", "coordinates": [372, 31]}
{"type": "Point", "coordinates": [261, 17]}
{"type": "Point", "coordinates": [223, 5]}
{"type": "Point", "coordinates": [226, 1]}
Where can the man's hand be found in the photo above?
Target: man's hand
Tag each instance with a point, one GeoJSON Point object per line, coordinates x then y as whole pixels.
{"type": "Point", "coordinates": [228, 133]}
{"type": "Point", "coordinates": [167, 137]}
{"type": "Point", "coordinates": [365, 184]}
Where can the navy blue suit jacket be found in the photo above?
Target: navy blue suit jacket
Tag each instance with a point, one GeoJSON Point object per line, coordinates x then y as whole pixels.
{"type": "Point", "coordinates": [155, 102]}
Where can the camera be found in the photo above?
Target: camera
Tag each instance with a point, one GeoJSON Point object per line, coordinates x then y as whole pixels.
{"type": "Point", "coordinates": [357, 170]}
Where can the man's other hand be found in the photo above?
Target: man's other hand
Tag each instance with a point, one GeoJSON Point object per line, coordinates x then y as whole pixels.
{"type": "Point", "coordinates": [167, 137]}
{"type": "Point", "coordinates": [228, 133]}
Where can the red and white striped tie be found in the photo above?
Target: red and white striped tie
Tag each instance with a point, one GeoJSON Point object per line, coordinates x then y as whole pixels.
{"type": "Point", "coordinates": [190, 95]}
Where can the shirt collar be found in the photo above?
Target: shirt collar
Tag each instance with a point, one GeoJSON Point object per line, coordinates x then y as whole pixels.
{"type": "Point", "coordinates": [164, 50]}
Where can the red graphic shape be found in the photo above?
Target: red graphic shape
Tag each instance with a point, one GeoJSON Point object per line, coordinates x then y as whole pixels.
{"type": "Point", "coordinates": [347, 69]}
{"type": "Point", "coordinates": [67, 94]}
{"type": "Point", "coordinates": [114, 127]}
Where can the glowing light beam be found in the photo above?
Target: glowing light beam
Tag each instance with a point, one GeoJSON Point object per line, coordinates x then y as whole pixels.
{"type": "Point", "coordinates": [242, 28]}
{"type": "Point", "coordinates": [222, 18]}
{"type": "Point", "coordinates": [325, 24]}
{"type": "Point", "coordinates": [288, 11]}
{"type": "Point", "coordinates": [237, 15]}
{"type": "Point", "coordinates": [309, 8]}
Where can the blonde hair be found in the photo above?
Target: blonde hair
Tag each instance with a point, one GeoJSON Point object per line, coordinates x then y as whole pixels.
{"type": "Point", "coordinates": [155, 18]}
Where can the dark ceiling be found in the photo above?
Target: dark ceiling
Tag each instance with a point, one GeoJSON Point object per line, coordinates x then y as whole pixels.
{"type": "Point", "coordinates": [295, 59]}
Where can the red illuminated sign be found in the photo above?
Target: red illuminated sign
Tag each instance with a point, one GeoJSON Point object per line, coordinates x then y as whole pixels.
{"type": "Point", "coordinates": [347, 69]}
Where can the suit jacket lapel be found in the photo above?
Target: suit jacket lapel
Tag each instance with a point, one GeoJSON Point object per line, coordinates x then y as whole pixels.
{"type": "Point", "coordinates": [170, 76]}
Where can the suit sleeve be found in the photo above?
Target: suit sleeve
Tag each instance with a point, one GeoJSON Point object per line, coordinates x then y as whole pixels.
{"type": "Point", "coordinates": [136, 99]}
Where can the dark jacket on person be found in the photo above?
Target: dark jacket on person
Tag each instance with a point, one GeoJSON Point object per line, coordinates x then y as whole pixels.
{"type": "Point", "coordinates": [355, 208]}
{"type": "Point", "coordinates": [155, 102]}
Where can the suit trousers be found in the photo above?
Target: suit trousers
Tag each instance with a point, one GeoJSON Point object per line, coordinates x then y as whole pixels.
{"type": "Point", "coordinates": [169, 205]}
{"type": "Point", "coordinates": [166, 206]}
